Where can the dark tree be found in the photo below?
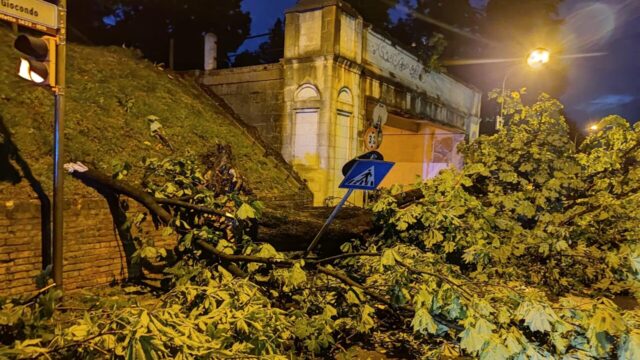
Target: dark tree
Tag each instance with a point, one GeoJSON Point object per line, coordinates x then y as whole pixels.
{"type": "Point", "coordinates": [374, 12]}
{"type": "Point", "coordinates": [246, 58]}
{"type": "Point", "coordinates": [269, 52]}
{"type": "Point", "coordinates": [149, 25]}
{"type": "Point", "coordinates": [86, 20]}
{"type": "Point", "coordinates": [514, 22]}
{"type": "Point", "coordinates": [273, 50]}
{"type": "Point", "coordinates": [430, 25]}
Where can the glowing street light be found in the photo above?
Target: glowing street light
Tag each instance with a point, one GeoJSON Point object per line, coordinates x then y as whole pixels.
{"type": "Point", "coordinates": [538, 58]}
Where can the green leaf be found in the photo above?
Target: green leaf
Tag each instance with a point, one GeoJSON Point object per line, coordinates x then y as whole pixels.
{"type": "Point", "coordinates": [423, 322]}
{"type": "Point", "coordinates": [533, 354]}
{"type": "Point", "coordinates": [512, 341]}
{"type": "Point", "coordinates": [246, 212]}
{"type": "Point", "coordinates": [79, 332]}
{"type": "Point", "coordinates": [561, 343]}
{"type": "Point", "coordinates": [388, 258]}
{"type": "Point", "coordinates": [495, 350]}
{"type": "Point", "coordinates": [354, 296]}
{"type": "Point", "coordinates": [474, 338]}
{"type": "Point", "coordinates": [603, 326]}
{"type": "Point", "coordinates": [535, 316]}
{"type": "Point", "coordinates": [297, 276]}
{"type": "Point", "coordinates": [433, 237]}
{"type": "Point", "coordinates": [608, 320]}
{"type": "Point", "coordinates": [366, 322]}
{"type": "Point", "coordinates": [454, 309]}
{"type": "Point", "coordinates": [329, 312]}
{"type": "Point", "coordinates": [629, 348]}
{"type": "Point", "coordinates": [634, 260]}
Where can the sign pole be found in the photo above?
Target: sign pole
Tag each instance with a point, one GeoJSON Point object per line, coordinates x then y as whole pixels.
{"type": "Point", "coordinates": [361, 173]}
{"type": "Point", "coordinates": [333, 215]}
{"type": "Point", "coordinates": [58, 146]}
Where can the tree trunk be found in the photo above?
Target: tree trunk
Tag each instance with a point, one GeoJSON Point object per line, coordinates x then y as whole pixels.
{"type": "Point", "coordinates": [293, 229]}
{"type": "Point", "coordinates": [287, 229]}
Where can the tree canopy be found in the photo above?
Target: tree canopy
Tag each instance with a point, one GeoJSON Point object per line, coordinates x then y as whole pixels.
{"type": "Point", "coordinates": [375, 12]}
{"type": "Point", "coordinates": [518, 255]}
{"type": "Point", "coordinates": [268, 52]}
{"type": "Point", "coordinates": [149, 26]}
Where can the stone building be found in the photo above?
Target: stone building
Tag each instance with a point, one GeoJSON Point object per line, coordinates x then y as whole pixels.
{"type": "Point", "coordinates": [315, 105]}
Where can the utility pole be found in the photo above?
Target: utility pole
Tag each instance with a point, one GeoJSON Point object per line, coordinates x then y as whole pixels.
{"type": "Point", "coordinates": [43, 60]}
{"type": "Point", "coordinates": [172, 44]}
{"type": "Point", "coordinates": [58, 146]}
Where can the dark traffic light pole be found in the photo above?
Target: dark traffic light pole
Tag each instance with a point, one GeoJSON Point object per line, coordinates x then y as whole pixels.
{"type": "Point", "coordinates": [58, 146]}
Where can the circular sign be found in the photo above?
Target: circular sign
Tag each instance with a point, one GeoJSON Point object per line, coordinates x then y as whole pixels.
{"type": "Point", "coordinates": [380, 115]}
{"type": "Point", "coordinates": [372, 139]}
{"type": "Point", "coordinates": [371, 155]}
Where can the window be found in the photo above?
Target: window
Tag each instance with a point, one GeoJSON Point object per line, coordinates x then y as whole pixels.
{"type": "Point", "coordinates": [305, 134]}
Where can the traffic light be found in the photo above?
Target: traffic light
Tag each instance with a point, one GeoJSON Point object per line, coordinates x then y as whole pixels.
{"type": "Point", "coordinates": [38, 63]}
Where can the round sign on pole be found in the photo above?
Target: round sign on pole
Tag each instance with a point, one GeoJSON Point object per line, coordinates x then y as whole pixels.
{"type": "Point", "coordinates": [371, 155]}
{"type": "Point", "coordinates": [380, 115]}
{"type": "Point", "coordinates": [372, 139]}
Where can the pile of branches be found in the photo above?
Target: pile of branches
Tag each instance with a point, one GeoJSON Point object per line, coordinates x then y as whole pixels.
{"type": "Point", "coordinates": [485, 262]}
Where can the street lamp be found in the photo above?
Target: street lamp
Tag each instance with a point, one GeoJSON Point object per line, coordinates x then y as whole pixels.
{"type": "Point", "coordinates": [537, 58]}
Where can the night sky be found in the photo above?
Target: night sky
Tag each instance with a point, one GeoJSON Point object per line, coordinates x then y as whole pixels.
{"type": "Point", "coordinates": [598, 86]}
{"type": "Point", "coordinates": [263, 14]}
{"type": "Point", "coordinates": [608, 84]}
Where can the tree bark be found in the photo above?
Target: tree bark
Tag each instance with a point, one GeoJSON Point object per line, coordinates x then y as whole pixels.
{"type": "Point", "coordinates": [287, 229]}
{"type": "Point", "coordinates": [408, 197]}
{"type": "Point", "coordinates": [293, 229]}
{"type": "Point", "coordinates": [96, 179]}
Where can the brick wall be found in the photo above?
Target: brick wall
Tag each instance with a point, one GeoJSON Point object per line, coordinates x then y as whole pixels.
{"type": "Point", "coordinates": [94, 253]}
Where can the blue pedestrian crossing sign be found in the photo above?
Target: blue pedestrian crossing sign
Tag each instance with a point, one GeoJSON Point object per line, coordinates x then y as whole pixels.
{"type": "Point", "coordinates": [366, 175]}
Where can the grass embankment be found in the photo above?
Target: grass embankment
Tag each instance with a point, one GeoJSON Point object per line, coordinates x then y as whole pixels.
{"type": "Point", "coordinates": [111, 93]}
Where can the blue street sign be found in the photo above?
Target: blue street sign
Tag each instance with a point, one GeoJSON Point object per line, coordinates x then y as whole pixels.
{"type": "Point", "coordinates": [366, 174]}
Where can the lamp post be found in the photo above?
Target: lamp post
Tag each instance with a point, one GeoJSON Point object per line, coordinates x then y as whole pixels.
{"type": "Point", "coordinates": [537, 59]}
{"type": "Point", "coordinates": [504, 83]}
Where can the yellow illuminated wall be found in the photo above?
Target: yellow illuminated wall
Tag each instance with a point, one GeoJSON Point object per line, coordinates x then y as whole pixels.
{"type": "Point", "coordinates": [413, 152]}
{"type": "Point", "coordinates": [326, 96]}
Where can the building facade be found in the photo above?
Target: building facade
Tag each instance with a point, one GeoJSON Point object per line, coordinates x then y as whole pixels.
{"type": "Point", "coordinates": [317, 103]}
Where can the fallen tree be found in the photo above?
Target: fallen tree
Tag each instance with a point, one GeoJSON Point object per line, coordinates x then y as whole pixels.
{"type": "Point", "coordinates": [517, 256]}
{"type": "Point", "coordinates": [286, 228]}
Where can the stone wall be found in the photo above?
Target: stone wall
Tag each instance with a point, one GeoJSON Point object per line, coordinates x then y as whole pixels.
{"type": "Point", "coordinates": [94, 253]}
{"type": "Point", "coordinates": [313, 104]}
{"type": "Point", "coordinates": [388, 61]}
{"type": "Point", "coordinates": [255, 93]}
